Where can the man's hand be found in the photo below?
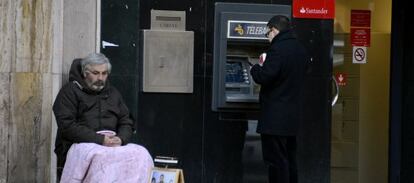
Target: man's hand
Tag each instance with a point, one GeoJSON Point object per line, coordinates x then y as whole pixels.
{"type": "Point", "coordinates": [116, 141]}
{"type": "Point", "coordinates": [112, 141]}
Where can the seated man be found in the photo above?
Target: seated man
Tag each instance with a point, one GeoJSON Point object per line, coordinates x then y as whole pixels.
{"type": "Point", "coordinates": [91, 115]}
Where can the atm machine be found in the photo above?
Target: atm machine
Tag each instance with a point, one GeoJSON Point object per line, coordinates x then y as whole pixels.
{"type": "Point", "coordinates": [239, 39]}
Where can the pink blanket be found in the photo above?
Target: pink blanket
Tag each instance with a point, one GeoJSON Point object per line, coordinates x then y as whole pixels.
{"type": "Point", "coordinates": [90, 163]}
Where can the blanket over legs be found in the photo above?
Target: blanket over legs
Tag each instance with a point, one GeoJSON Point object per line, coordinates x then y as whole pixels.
{"type": "Point", "coordinates": [90, 163]}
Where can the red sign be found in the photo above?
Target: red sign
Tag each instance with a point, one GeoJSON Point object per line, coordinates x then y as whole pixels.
{"type": "Point", "coordinates": [360, 18]}
{"type": "Point", "coordinates": [318, 9]}
{"type": "Point", "coordinates": [361, 37]}
{"type": "Point", "coordinates": [341, 78]}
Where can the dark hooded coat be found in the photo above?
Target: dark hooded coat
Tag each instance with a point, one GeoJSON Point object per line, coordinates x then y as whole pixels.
{"type": "Point", "coordinates": [281, 80]}
{"type": "Point", "coordinates": [81, 112]}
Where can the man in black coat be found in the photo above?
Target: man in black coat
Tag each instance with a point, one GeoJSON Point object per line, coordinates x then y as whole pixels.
{"type": "Point", "coordinates": [88, 104]}
{"type": "Point", "coordinates": [281, 77]}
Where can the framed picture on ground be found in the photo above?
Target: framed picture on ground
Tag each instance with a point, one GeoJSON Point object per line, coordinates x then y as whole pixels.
{"type": "Point", "coordinates": [166, 175]}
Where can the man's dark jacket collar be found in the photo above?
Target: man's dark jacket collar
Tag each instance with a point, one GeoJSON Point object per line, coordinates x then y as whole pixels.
{"type": "Point", "coordinates": [283, 35]}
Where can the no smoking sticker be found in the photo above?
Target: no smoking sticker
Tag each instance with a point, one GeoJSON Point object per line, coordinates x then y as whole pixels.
{"type": "Point", "coordinates": [359, 55]}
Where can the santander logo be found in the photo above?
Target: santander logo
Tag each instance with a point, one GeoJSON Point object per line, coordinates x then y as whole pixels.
{"type": "Point", "coordinates": [304, 10]}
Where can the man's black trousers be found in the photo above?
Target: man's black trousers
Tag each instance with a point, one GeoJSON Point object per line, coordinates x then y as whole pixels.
{"type": "Point", "coordinates": [279, 154]}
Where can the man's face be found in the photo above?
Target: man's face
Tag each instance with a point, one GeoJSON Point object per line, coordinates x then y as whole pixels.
{"type": "Point", "coordinates": [271, 33]}
{"type": "Point", "coordinates": [95, 76]}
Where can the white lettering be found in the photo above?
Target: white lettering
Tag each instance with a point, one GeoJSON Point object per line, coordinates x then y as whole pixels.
{"type": "Point", "coordinates": [253, 30]}
{"type": "Point", "coordinates": [166, 25]}
{"type": "Point", "coordinates": [316, 11]}
{"type": "Point", "coordinates": [258, 30]}
{"type": "Point", "coordinates": [263, 31]}
{"type": "Point", "coordinates": [250, 29]}
{"type": "Point", "coordinates": [360, 32]}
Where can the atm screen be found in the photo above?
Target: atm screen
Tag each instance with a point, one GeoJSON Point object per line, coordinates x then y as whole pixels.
{"type": "Point", "coordinates": [235, 73]}
{"type": "Point", "coordinates": [238, 82]}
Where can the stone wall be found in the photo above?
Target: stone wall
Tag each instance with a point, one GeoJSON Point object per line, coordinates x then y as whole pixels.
{"type": "Point", "coordinates": [32, 63]}
{"type": "Point", "coordinates": [26, 48]}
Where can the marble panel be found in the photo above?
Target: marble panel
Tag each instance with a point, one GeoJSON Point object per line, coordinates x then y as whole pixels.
{"type": "Point", "coordinates": [57, 36]}
{"type": "Point", "coordinates": [25, 127]}
{"type": "Point", "coordinates": [56, 85]}
{"type": "Point", "coordinates": [6, 34]}
{"type": "Point", "coordinates": [45, 130]}
{"type": "Point", "coordinates": [79, 30]}
{"type": "Point", "coordinates": [4, 122]}
{"type": "Point", "coordinates": [33, 26]}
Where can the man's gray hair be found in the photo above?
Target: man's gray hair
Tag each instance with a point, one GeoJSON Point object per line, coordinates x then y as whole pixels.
{"type": "Point", "coordinates": [95, 59]}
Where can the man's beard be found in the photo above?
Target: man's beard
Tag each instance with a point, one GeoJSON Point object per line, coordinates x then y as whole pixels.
{"type": "Point", "coordinates": [96, 86]}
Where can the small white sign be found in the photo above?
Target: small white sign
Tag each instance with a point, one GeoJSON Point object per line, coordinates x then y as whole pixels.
{"type": "Point", "coordinates": [108, 44]}
{"type": "Point", "coordinates": [359, 55]}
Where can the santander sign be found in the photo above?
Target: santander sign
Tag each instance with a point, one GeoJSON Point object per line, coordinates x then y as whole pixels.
{"type": "Point", "coordinates": [313, 11]}
{"type": "Point", "coordinates": [317, 9]}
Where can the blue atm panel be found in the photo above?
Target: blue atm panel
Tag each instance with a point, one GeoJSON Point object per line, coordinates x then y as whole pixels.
{"type": "Point", "coordinates": [239, 85]}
